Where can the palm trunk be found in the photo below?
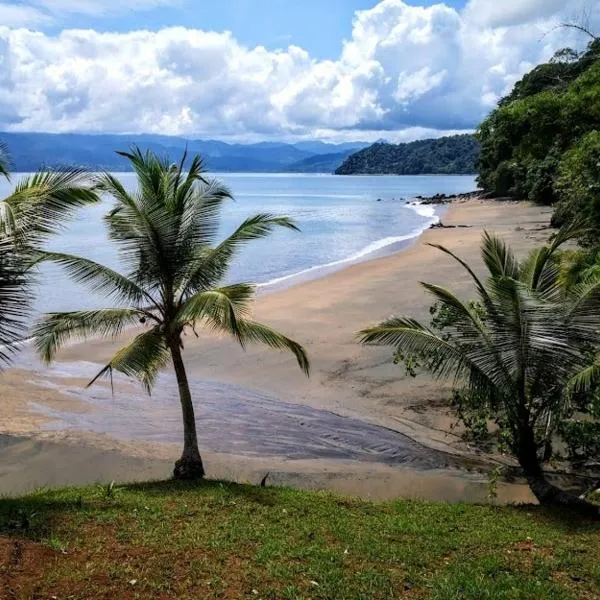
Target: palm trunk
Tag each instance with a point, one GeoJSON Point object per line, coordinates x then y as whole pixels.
{"type": "Point", "coordinates": [546, 493]}
{"type": "Point", "coordinates": [189, 466]}
{"type": "Point", "coordinates": [549, 495]}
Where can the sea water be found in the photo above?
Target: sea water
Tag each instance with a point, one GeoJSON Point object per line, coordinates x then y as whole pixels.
{"type": "Point", "coordinates": [342, 220]}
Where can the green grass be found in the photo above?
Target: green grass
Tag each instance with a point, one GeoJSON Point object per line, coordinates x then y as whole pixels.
{"type": "Point", "coordinates": [218, 540]}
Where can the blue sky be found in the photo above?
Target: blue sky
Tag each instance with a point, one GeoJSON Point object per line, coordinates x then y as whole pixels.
{"type": "Point", "coordinates": [408, 69]}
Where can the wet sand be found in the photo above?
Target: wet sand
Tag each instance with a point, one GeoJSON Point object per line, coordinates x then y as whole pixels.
{"type": "Point", "coordinates": [349, 381]}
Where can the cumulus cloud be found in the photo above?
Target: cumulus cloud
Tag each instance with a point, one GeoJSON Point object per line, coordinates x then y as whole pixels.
{"type": "Point", "coordinates": [406, 72]}
{"type": "Point", "coordinates": [512, 12]}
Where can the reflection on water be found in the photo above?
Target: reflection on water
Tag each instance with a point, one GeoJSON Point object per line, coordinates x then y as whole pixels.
{"type": "Point", "coordinates": [230, 419]}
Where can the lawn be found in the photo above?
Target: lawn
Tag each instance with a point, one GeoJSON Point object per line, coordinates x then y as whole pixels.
{"type": "Point", "coordinates": [221, 540]}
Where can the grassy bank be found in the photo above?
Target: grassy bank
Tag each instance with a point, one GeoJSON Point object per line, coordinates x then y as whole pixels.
{"type": "Point", "coordinates": [171, 540]}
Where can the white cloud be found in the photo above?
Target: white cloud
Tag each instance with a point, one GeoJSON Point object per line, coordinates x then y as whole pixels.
{"type": "Point", "coordinates": [405, 72]}
{"type": "Point", "coordinates": [19, 15]}
{"type": "Point", "coordinates": [501, 13]}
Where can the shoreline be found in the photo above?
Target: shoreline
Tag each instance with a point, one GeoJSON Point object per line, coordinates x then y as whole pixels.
{"type": "Point", "coordinates": [347, 380]}
{"type": "Point", "coordinates": [372, 251]}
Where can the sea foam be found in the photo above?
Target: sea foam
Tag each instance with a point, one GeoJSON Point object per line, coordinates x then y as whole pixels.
{"type": "Point", "coordinates": [424, 210]}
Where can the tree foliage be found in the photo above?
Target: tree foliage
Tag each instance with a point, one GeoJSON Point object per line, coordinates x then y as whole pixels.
{"type": "Point", "coordinates": [452, 155]}
{"type": "Point", "coordinates": [524, 140]}
{"type": "Point", "coordinates": [520, 355]}
{"type": "Point", "coordinates": [578, 187]}
{"type": "Point", "coordinates": [38, 207]}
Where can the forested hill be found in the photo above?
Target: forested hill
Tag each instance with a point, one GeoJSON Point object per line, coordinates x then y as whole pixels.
{"type": "Point", "coordinates": [457, 154]}
{"type": "Point", "coordinates": [542, 143]}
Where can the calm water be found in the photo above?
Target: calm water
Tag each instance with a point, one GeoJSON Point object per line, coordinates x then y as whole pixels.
{"type": "Point", "coordinates": [340, 217]}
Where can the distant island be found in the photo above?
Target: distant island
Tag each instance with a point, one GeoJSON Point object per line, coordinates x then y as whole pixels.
{"type": "Point", "coordinates": [450, 155]}
{"type": "Point", "coordinates": [33, 151]}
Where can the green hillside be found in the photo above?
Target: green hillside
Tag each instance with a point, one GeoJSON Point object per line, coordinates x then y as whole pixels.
{"type": "Point", "coordinates": [536, 144]}
{"type": "Point", "coordinates": [449, 155]}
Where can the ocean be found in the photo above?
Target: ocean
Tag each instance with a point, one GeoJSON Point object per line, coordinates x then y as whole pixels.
{"type": "Point", "coordinates": [342, 220]}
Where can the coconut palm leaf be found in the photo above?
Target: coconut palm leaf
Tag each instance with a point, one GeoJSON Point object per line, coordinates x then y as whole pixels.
{"type": "Point", "coordinates": [498, 257]}
{"type": "Point", "coordinates": [15, 297]}
{"type": "Point", "coordinates": [4, 161]}
{"type": "Point", "coordinates": [540, 270]}
{"type": "Point", "coordinates": [236, 297]}
{"type": "Point", "coordinates": [141, 359]}
{"type": "Point", "coordinates": [209, 266]}
{"type": "Point", "coordinates": [200, 210]}
{"type": "Point", "coordinates": [252, 332]}
{"type": "Point", "coordinates": [411, 336]}
{"type": "Point", "coordinates": [583, 310]}
{"type": "Point", "coordinates": [99, 279]}
{"type": "Point", "coordinates": [220, 309]}
{"type": "Point", "coordinates": [58, 329]}
{"type": "Point", "coordinates": [41, 202]}
{"type": "Point", "coordinates": [38, 206]}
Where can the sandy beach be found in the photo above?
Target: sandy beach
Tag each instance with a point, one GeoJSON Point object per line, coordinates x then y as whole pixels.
{"type": "Point", "coordinates": [348, 380]}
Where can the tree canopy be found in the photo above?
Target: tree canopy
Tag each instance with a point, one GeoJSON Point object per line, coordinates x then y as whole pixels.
{"type": "Point", "coordinates": [526, 141]}
{"type": "Point", "coordinates": [38, 206]}
{"type": "Point", "coordinates": [450, 155]}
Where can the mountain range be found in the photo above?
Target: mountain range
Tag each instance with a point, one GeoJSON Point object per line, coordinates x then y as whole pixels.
{"type": "Point", "coordinates": [32, 151]}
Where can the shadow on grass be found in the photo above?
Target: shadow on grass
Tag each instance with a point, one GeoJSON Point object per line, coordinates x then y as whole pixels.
{"type": "Point", "coordinates": [253, 493]}
{"type": "Point", "coordinates": [35, 516]}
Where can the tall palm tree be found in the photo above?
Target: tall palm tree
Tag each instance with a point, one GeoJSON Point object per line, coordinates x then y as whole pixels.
{"type": "Point", "coordinates": [38, 207]}
{"type": "Point", "coordinates": [521, 357]}
{"type": "Point", "coordinates": [174, 275]}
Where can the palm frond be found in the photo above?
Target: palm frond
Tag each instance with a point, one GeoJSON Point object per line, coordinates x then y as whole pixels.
{"type": "Point", "coordinates": [478, 284]}
{"type": "Point", "coordinates": [99, 279]}
{"type": "Point", "coordinates": [498, 257]}
{"type": "Point", "coordinates": [584, 305]}
{"type": "Point", "coordinates": [210, 266]}
{"type": "Point", "coordinates": [57, 329]}
{"type": "Point", "coordinates": [40, 203]}
{"type": "Point", "coordinates": [220, 308]}
{"type": "Point", "coordinates": [5, 162]}
{"type": "Point", "coordinates": [251, 332]}
{"type": "Point", "coordinates": [540, 271]}
{"type": "Point", "coordinates": [463, 316]}
{"type": "Point", "coordinates": [410, 336]}
{"type": "Point", "coordinates": [184, 186]}
{"type": "Point", "coordinates": [199, 212]}
{"type": "Point", "coordinates": [585, 379]}
{"type": "Point", "coordinates": [568, 232]}
{"type": "Point", "coordinates": [141, 359]}
{"type": "Point", "coordinates": [15, 297]}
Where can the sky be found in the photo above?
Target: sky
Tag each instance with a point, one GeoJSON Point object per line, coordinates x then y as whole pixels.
{"type": "Point", "coordinates": [249, 70]}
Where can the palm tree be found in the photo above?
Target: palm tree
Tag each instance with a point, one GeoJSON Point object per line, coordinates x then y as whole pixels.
{"type": "Point", "coordinates": [166, 234]}
{"type": "Point", "coordinates": [4, 161]}
{"type": "Point", "coordinates": [521, 357]}
{"type": "Point", "coordinates": [37, 208]}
